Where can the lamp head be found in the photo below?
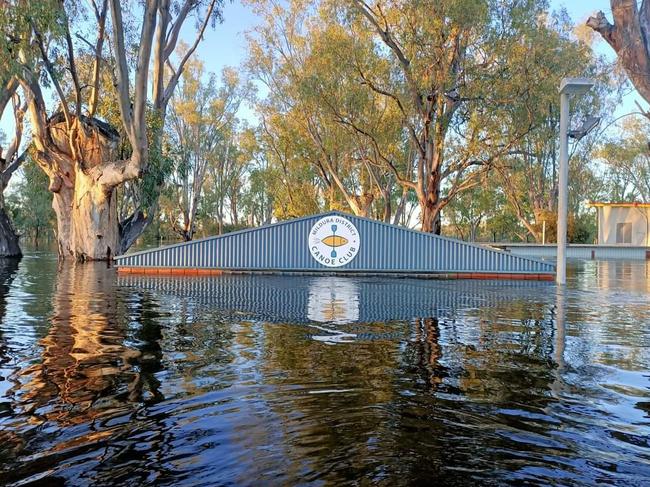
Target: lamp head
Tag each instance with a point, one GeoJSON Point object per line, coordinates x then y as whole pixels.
{"type": "Point", "coordinates": [576, 86]}
{"type": "Point", "coordinates": [587, 126]}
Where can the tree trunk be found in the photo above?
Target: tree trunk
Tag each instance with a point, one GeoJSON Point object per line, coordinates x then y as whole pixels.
{"type": "Point", "coordinates": [401, 206]}
{"type": "Point", "coordinates": [95, 220]}
{"type": "Point", "coordinates": [220, 218]}
{"type": "Point", "coordinates": [628, 36]}
{"type": "Point", "coordinates": [84, 201]}
{"type": "Point", "coordinates": [87, 222]}
{"type": "Point", "coordinates": [388, 209]}
{"type": "Point", "coordinates": [431, 218]}
{"type": "Point", "coordinates": [8, 238]}
{"type": "Point", "coordinates": [233, 209]}
{"type": "Point", "coordinates": [430, 205]}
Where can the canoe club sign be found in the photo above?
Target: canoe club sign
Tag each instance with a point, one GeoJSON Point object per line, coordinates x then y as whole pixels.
{"type": "Point", "coordinates": [334, 241]}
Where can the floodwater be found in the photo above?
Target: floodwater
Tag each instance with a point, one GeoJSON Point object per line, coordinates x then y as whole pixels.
{"type": "Point", "coordinates": [266, 380]}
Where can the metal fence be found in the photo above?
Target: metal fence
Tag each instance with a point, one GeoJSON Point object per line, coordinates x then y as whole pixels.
{"type": "Point", "coordinates": [579, 251]}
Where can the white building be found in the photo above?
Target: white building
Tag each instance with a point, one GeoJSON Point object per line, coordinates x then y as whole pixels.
{"type": "Point", "coordinates": [623, 223]}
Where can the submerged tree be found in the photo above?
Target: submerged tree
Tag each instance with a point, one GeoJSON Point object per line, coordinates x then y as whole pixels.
{"type": "Point", "coordinates": [78, 151]}
{"type": "Point", "coordinates": [11, 157]}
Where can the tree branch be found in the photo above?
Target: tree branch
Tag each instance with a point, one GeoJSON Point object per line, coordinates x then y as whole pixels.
{"type": "Point", "coordinates": [49, 67]}
{"type": "Point", "coordinates": [73, 68]}
{"type": "Point", "coordinates": [99, 47]}
{"type": "Point", "coordinates": [171, 85]}
{"type": "Point", "coordinates": [141, 79]}
{"type": "Point", "coordinates": [171, 37]}
{"type": "Point", "coordinates": [392, 44]}
{"type": "Point", "coordinates": [122, 78]}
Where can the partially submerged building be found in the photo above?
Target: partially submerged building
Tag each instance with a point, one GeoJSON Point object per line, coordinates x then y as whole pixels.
{"type": "Point", "coordinates": [623, 223]}
{"type": "Point", "coordinates": [335, 243]}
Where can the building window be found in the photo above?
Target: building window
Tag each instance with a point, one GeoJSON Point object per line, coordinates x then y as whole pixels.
{"type": "Point", "coordinates": [624, 233]}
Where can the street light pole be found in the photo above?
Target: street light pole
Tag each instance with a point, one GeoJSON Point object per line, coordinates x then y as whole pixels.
{"type": "Point", "coordinates": [563, 189]}
{"type": "Point", "coordinates": [568, 86]}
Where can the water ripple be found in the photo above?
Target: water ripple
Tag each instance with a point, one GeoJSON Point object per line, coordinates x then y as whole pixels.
{"type": "Point", "coordinates": [249, 380]}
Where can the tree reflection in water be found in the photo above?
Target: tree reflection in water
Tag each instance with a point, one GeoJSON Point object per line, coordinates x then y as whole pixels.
{"type": "Point", "coordinates": [241, 379]}
{"type": "Point", "coordinates": [84, 358]}
{"type": "Point", "coordinates": [8, 268]}
{"type": "Point", "coordinates": [91, 366]}
{"type": "Point", "coordinates": [429, 351]}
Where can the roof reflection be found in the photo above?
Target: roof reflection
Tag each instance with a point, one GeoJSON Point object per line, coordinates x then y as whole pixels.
{"type": "Point", "coordinates": [338, 300]}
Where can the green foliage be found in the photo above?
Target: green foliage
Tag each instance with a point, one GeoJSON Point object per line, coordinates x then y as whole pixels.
{"type": "Point", "coordinates": [627, 161]}
{"type": "Point", "coordinates": [547, 52]}
{"type": "Point", "coordinates": [203, 143]}
{"type": "Point", "coordinates": [17, 19]}
{"type": "Point", "coordinates": [159, 164]}
{"type": "Point", "coordinates": [344, 116]}
{"type": "Point", "coordinates": [30, 203]}
{"type": "Point", "coordinates": [342, 129]}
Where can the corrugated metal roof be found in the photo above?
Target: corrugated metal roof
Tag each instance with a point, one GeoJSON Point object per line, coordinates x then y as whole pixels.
{"type": "Point", "coordinates": [285, 246]}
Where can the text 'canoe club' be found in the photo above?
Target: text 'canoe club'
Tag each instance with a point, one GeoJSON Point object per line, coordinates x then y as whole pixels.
{"type": "Point", "coordinates": [334, 241]}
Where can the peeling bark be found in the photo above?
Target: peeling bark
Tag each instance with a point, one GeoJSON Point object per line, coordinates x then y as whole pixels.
{"type": "Point", "coordinates": [84, 192]}
{"type": "Point", "coordinates": [628, 36]}
{"type": "Point", "coordinates": [9, 246]}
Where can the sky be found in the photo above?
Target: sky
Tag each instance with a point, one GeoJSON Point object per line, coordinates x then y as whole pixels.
{"type": "Point", "coordinates": [225, 45]}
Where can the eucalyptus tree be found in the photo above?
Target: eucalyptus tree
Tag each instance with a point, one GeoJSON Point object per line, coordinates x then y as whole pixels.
{"type": "Point", "coordinates": [226, 179]}
{"type": "Point", "coordinates": [470, 211]}
{"type": "Point", "coordinates": [12, 155]}
{"type": "Point", "coordinates": [456, 78]}
{"type": "Point", "coordinates": [528, 175]}
{"type": "Point", "coordinates": [394, 99]}
{"type": "Point", "coordinates": [627, 159]}
{"type": "Point", "coordinates": [283, 180]}
{"type": "Point", "coordinates": [297, 54]}
{"type": "Point", "coordinates": [77, 150]}
{"type": "Point", "coordinates": [203, 121]}
{"type": "Point", "coordinates": [628, 36]}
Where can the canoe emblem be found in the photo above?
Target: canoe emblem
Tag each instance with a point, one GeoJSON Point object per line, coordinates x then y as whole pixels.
{"type": "Point", "coordinates": [334, 241]}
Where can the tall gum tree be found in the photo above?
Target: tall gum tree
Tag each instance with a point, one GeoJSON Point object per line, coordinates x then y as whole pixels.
{"type": "Point", "coordinates": [202, 123]}
{"type": "Point", "coordinates": [450, 82]}
{"type": "Point", "coordinates": [297, 53]}
{"type": "Point", "coordinates": [528, 176]}
{"type": "Point", "coordinates": [77, 150]}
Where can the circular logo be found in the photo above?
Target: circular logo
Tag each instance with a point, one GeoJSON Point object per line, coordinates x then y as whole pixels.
{"type": "Point", "coordinates": [334, 241]}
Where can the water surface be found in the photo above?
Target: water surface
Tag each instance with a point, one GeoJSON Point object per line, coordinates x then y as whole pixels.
{"type": "Point", "coordinates": [265, 380]}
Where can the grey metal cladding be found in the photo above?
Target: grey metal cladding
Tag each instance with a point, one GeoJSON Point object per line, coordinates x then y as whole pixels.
{"type": "Point", "coordinates": [383, 247]}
